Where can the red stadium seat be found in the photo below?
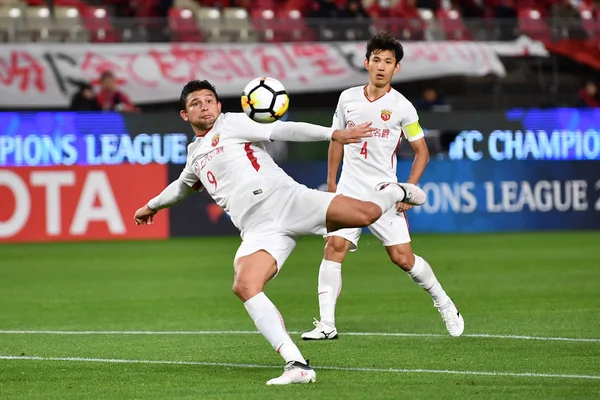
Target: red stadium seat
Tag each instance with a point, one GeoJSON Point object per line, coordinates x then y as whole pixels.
{"type": "Point", "coordinates": [453, 25]}
{"type": "Point", "coordinates": [183, 26]}
{"type": "Point", "coordinates": [295, 26]}
{"type": "Point", "coordinates": [532, 24]}
{"type": "Point", "coordinates": [528, 4]}
{"type": "Point", "coordinates": [70, 3]}
{"type": "Point", "coordinates": [287, 25]}
{"type": "Point", "coordinates": [301, 5]}
{"type": "Point", "coordinates": [590, 24]}
{"type": "Point", "coordinates": [96, 21]}
{"type": "Point", "coordinates": [265, 4]}
{"type": "Point", "coordinates": [269, 27]}
{"type": "Point", "coordinates": [406, 22]}
{"type": "Point", "coordinates": [214, 3]}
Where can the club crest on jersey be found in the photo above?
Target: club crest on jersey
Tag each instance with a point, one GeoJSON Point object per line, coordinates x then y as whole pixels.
{"type": "Point", "coordinates": [386, 115]}
{"type": "Point", "coordinates": [215, 140]}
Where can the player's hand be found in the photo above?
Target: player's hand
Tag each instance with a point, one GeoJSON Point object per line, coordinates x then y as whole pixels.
{"type": "Point", "coordinates": [402, 207]}
{"type": "Point", "coordinates": [144, 216]}
{"type": "Point", "coordinates": [332, 187]}
{"type": "Point", "coordinates": [354, 134]}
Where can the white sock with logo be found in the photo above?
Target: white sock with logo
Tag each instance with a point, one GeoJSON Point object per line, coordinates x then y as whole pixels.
{"type": "Point", "coordinates": [270, 323]}
{"type": "Point", "coordinates": [387, 197]}
{"type": "Point", "coordinates": [423, 275]}
{"type": "Point", "coordinates": [330, 286]}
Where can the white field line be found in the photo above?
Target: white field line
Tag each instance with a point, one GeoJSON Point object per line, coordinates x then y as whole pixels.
{"type": "Point", "coordinates": [390, 334]}
{"type": "Point", "coordinates": [232, 365]}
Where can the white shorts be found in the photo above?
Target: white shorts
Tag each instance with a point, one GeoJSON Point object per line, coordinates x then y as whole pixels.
{"type": "Point", "coordinates": [391, 229]}
{"type": "Point", "coordinates": [290, 211]}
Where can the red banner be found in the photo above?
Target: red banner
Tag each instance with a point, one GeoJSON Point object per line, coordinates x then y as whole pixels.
{"type": "Point", "coordinates": [584, 51]}
{"type": "Point", "coordinates": [79, 203]}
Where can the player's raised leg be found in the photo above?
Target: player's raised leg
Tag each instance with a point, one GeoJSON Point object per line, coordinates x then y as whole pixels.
{"type": "Point", "coordinates": [421, 273]}
{"type": "Point", "coordinates": [252, 272]}
{"type": "Point", "coordinates": [348, 212]}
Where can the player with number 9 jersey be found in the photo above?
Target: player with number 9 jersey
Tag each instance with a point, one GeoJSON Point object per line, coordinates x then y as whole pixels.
{"type": "Point", "coordinates": [238, 173]}
{"type": "Point", "coordinates": [269, 208]}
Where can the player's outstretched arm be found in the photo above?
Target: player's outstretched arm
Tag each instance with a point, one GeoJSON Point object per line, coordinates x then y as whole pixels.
{"type": "Point", "coordinates": [171, 195]}
{"type": "Point", "coordinates": [304, 132]}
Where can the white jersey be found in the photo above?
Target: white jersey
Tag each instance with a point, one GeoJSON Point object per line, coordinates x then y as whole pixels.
{"type": "Point", "coordinates": [188, 176]}
{"type": "Point", "coordinates": [374, 160]}
{"type": "Point", "coordinates": [233, 165]}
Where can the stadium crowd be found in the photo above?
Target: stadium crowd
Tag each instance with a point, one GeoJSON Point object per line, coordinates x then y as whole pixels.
{"type": "Point", "coordinates": [295, 20]}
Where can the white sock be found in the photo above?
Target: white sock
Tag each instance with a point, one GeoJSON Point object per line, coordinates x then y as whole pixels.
{"type": "Point", "coordinates": [388, 197]}
{"type": "Point", "coordinates": [269, 322]}
{"type": "Point", "coordinates": [423, 275]}
{"type": "Point", "coordinates": [330, 286]}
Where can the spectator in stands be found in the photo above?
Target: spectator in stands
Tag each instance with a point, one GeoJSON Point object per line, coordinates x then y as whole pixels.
{"type": "Point", "coordinates": [505, 17]}
{"type": "Point", "coordinates": [596, 9]}
{"type": "Point", "coordinates": [356, 16]}
{"type": "Point", "coordinates": [469, 8]}
{"type": "Point", "coordinates": [566, 21]}
{"type": "Point", "coordinates": [110, 98]}
{"type": "Point", "coordinates": [156, 26]}
{"type": "Point", "coordinates": [411, 24]}
{"type": "Point", "coordinates": [320, 16]}
{"type": "Point", "coordinates": [354, 9]}
{"type": "Point", "coordinates": [324, 9]}
{"type": "Point", "coordinates": [432, 101]}
{"type": "Point", "coordinates": [84, 99]}
{"type": "Point", "coordinates": [162, 8]}
{"type": "Point", "coordinates": [430, 4]}
{"type": "Point", "coordinates": [122, 8]}
{"type": "Point", "coordinates": [588, 96]}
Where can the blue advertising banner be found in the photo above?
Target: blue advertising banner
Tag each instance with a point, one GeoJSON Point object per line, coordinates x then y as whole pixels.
{"type": "Point", "coordinates": [489, 196]}
{"type": "Point", "coordinates": [35, 139]}
{"type": "Point", "coordinates": [519, 134]}
{"type": "Point", "coordinates": [505, 171]}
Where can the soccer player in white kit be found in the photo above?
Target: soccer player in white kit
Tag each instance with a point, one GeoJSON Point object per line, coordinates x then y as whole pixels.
{"type": "Point", "coordinates": [269, 208]}
{"type": "Point", "coordinates": [366, 163]}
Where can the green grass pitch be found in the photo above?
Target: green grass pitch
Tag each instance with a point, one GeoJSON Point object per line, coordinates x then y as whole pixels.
{"type": "Point", "coordinates": [540, 285]}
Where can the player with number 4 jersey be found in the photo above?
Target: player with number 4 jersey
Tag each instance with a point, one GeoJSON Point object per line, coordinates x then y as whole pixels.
{"type": "Point", "coordinates": [366, 163]}
{"type": "Point", "coordinates": [269, 208]}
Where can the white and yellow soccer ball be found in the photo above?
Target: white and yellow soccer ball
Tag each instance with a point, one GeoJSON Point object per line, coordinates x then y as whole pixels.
{"type": "Point", "coordinates": [265, 100]}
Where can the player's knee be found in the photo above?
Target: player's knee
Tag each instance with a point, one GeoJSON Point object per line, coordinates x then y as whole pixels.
{"type": "Point", "coordinates": [245, 288]}
{"type": "Point", "coordinates": [405, 260]}
{"type": "Point", "coordinates": [370, 213]}
{"type": "Point", "coordinates": [336, 249]}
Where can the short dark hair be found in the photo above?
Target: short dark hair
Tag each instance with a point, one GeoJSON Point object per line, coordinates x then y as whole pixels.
{"type": "Point", "coordinates": [106, 74]}
{"type": "Point", "coordinates": [385, 41]}
{"type": "Point", "coordinates": [193, 86]}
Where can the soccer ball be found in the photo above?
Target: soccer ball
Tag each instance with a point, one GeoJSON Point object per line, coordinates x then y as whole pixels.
{"type": "Point", "coordinates": [265, 100]}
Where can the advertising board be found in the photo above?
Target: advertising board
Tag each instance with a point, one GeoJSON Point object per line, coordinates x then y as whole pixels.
{"type": "Point", "coordinates": [74, 176]}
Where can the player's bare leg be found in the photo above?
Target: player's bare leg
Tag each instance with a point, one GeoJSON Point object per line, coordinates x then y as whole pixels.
{"type": "Point", "coordinates": [252, 272]}
{"type": "Point", "coordinates": [421, 273]}
{"type": "Point", "coordinates": [329, 289]}
{"type": "Point", "coordinates": [348, 212]}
